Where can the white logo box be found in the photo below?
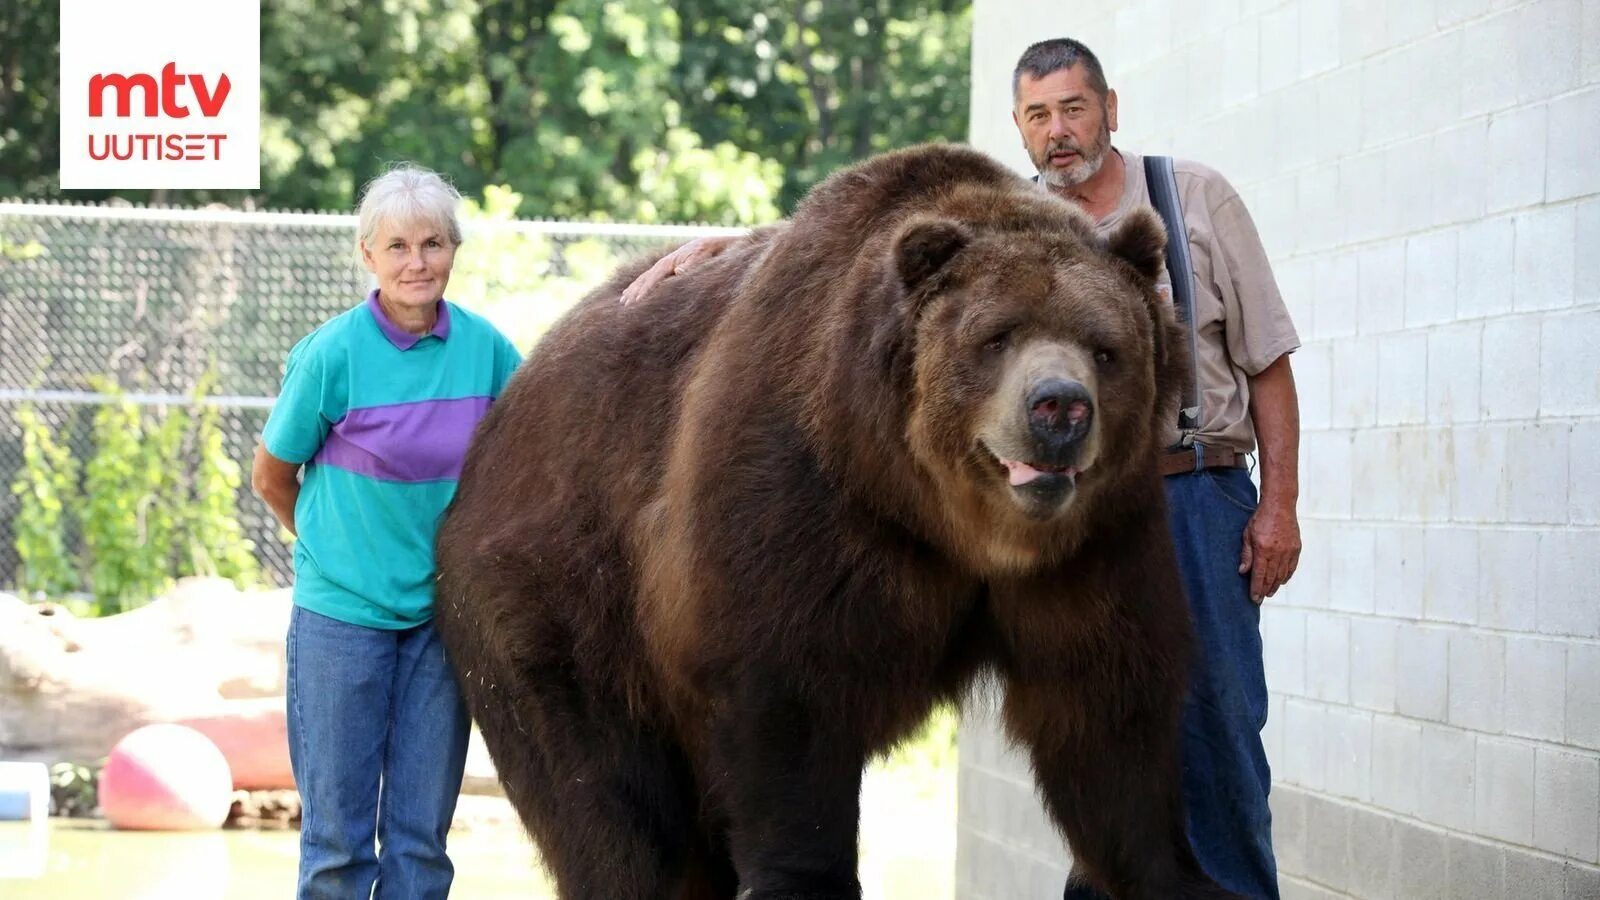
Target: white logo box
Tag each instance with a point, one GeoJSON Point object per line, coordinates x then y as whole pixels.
{"type": "Point", "coordinates": [155, 69]}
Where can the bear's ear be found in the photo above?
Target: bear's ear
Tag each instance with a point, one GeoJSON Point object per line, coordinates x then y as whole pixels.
{"type": "Point", "coordinates": [924, 246]}
{"type": "Point", "coordinates": [1141, 240]}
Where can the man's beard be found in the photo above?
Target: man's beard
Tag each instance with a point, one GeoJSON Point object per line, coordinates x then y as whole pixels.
{"type": "Point", "coordinates": [1089, 161]}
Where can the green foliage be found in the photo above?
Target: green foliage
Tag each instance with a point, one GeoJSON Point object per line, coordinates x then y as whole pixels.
{"type": "Point", "coordinates": [214, 543]}
{"type": "Point", "coordinates": [46, 487]}
{"type": "Point", "coordinates": [507, 275]}
{"type": "Point", "coordinates": [722, 111]}
{"type": "Point", "coordinates": [127, 527]}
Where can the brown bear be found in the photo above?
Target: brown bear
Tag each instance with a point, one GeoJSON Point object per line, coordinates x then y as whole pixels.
{"type": "Point", "coordinates": [712, 551]}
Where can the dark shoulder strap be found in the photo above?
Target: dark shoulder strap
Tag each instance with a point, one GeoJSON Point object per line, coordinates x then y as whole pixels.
{"type": "Point", "coordinates": [1164, 196]}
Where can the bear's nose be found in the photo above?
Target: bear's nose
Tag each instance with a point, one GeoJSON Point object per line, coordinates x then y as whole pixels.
{"type": "Point", "coordinates": [1059, 412]}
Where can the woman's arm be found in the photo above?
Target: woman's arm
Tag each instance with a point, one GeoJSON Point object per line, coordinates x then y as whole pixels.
{"type": "Point", "coordinates": [278, 483]}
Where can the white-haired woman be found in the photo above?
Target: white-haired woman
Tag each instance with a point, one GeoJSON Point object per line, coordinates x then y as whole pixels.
{"type": "Point", "coordinates": [377, 407]}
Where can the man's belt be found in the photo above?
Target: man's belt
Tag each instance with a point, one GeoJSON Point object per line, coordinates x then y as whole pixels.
{"type": "Point", "coordinates": [1199, 457]}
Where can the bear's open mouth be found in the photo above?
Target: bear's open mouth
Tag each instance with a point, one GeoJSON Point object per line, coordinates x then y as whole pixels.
{"type": "Point", "coordinates": [1019, 473]}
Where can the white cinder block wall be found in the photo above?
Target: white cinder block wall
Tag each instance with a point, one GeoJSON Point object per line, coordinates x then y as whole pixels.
{"type": "Point", "coordinates": [1426, 176]}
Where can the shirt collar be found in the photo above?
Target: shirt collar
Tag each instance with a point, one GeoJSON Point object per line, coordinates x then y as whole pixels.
{"type": "Point", "coordinates": [399, 337]}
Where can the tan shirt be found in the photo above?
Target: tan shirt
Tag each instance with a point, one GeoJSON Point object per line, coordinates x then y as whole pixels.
{"type": "Point", "coordinates": [1243, 323]}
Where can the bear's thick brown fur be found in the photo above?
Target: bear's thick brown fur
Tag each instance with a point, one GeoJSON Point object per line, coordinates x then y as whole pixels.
{"type": "Point", "coordinates": [712, 551]}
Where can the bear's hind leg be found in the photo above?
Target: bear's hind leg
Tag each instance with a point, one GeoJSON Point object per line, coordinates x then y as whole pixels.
{"type": "Point", "coordinates": [609, 801]}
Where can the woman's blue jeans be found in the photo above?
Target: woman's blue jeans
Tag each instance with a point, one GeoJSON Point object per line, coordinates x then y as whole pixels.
{"type": "Point", "coordinates": [1225, 774]}
{"type": "Point", "coordinates": [378, 742]}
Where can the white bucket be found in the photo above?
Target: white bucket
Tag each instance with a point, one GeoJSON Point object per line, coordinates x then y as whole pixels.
{"type": "Point", "coordinates": [24, 791]}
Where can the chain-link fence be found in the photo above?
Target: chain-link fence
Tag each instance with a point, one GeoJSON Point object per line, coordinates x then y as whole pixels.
{"type": "Point", "coordinates": [157, 300]}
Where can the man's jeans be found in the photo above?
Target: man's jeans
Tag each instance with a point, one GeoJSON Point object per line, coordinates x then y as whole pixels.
{"type": "Point", "coordinates": [378, 741]}
{"type": "Point", "coordinates": [1225, 775]}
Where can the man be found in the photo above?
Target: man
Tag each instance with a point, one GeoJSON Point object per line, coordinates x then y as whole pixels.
{"type": "Point", "coordinates": [1233, 551]}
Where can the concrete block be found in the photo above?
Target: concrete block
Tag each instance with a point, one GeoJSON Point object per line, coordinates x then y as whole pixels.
{"type": "Point", "coordinates": [1450, 588]}
{"type": "Point", "coordinates": [1449, 772]}
{"type": "Point", "coordinates": [1566, 803]}
{"type": "Point", "coordinates": [1583, 695]}
{"type": "Point", "coordinates": [1319, 37]}
{"type": "Point", "coordinates": [1241, 62]}
{"type": "Point", "coordinates": [1424, 665]}
{"type": "Point", "coordinates": [1335, 287]}
{"type": "Point", "coordinates": [1351, 558]}
{"type": "Point", "coordinates": [1569, 371]}
{"type": "Point", "coordinates": [1535, 687]}
{"type": "Point", "coordinates": [1374, 658]}
{"type": "Point", "coordinates": [1431, 277]}
{"type": "Point", "coordinates": [1545, 258]}
{"type": "Point", "coordinates": [1455, 12]}
{"type": "Point", "coordinates": [1339, 108]}
{"type": "Point", "coordinates": [1381, 274]}
{"type": "Point", "coordinates": [1537, 463]}
{"type": "Point", "coordinates": [1397, 764]}
{"type": "Point", "coordinates": [1509, 389]}
{"type": "Point", "coordinates": [1591, 43]}
{"type": "Point", "coordinates": [1349, 744]}
{"type": "Point", "coordinates": [1317, 182]}
{"type": "Point", "coordinates": [1584, 458]}
{"type": "Point", "coordinates": [1516, 154]}
{"type": "Point", "coordinates": [1549, 49]}
{"type": "Point", "coordinates": [1272, 734]}
{"type": "Point", "coordinates": [1407, 173]}
{"type": "Point", "coordinates": [1475, 870]}
{"type": "Point", "coordinates": [1504, 807]}
{"type": "Point", "coordinates": [1532, 875]}
{"type": "Point", "coordinates": [1328, 657]}
{"type": "Point", "coordinates": [1280, 48]}
{"type": "Point", "coordinates": [1574, 134]}
{"type": "Point", "coordinates": [1455, 369]}
{"type": "Point", "coordinates": [1435, 63]}
{"type": "Point", "coordinates": [1486, 271]}
{"type": "Point", "coordinates": [1327, 840]}
{"type": "Point", "coordinates": [1309, 587]}
{"type": "Point", "coordinates": [1583, 882]}
{"type": "Point", "coordinates": [1355, 380]}
{"type": "Point", "coordinates": [1569, 581]}
{"type": "Point", "coordinates": [1399, 573]}
{"type": "Point", "coordinates": [1421, 856]}
{"type": "Point", "coordinates": [1402, 378]}
{"type": "Point", "coordinates": [1488, 88]}
{"type": "Point", "coordinates": [1283, 642]}
{"type": "Point", "coordinates": [1387, 94]}
{"type": "Point", "coordinates": [1459, 192]}
{"type": "Point", "coordinates": [1362, 196]}
{"type": "Point", "coordinates": [1480, 481]}
{"type": "Point", "coordinates": [1477, 681]}
{"type": "Point", "coordinates": [1379, 467]}
{"type": "Point", "coordinates": [1507, 595]}
{"type": "Point", "coordinates": [1328, 454]}
{"type": "Point", "coordinates": [1372, 867]}
{"type": "Point", "coordinates": [1289, 836]}
{"type": "Point", "coordinates": [1587, 214]}
{"type": "Point", "coordinates": [1304, 761]}
{"type": "Point", "coordinates": [1428, 471]}
{"type": "Point", "coordinates": [1313, 382]}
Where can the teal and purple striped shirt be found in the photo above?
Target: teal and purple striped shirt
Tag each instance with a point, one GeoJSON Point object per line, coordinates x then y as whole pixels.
{"type": "Point", "coordinates": [381, 419]}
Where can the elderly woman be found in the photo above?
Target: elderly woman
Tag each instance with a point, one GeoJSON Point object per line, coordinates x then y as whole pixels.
{"type": "Point", "coordinates": [377, 407]}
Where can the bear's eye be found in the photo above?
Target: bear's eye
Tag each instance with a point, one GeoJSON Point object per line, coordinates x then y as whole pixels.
{"type": "Point", "coordinates": [1105, 357]}
{"type": "Point", "coordinates": [998, 343]}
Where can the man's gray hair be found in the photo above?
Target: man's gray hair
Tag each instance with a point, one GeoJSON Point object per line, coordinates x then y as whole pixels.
{"type": "Point", "coordinates": [1048, 57]}
{"type": "Point", "coordinates": [405, 196]}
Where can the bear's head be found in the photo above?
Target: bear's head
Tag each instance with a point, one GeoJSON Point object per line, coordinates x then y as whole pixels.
{"type": "Point", "coordinates": [1038, 353]}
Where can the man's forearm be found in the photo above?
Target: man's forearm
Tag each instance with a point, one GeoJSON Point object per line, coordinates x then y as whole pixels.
{"type": "Point", "coordinates": [1275, 413]}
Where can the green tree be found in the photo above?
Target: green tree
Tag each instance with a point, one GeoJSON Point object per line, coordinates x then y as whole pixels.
{"type": "Point", "coordinates": [46, 489]}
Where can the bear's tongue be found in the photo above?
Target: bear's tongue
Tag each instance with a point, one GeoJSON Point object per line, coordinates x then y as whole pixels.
{"type": "Point", "coordinates": [1021, 473]}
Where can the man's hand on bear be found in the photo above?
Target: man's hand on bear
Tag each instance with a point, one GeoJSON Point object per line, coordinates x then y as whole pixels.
{"type": "Point", "coordinates": [677, 262]}
{"type": "Point", "coordinates": [1271, 550]}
